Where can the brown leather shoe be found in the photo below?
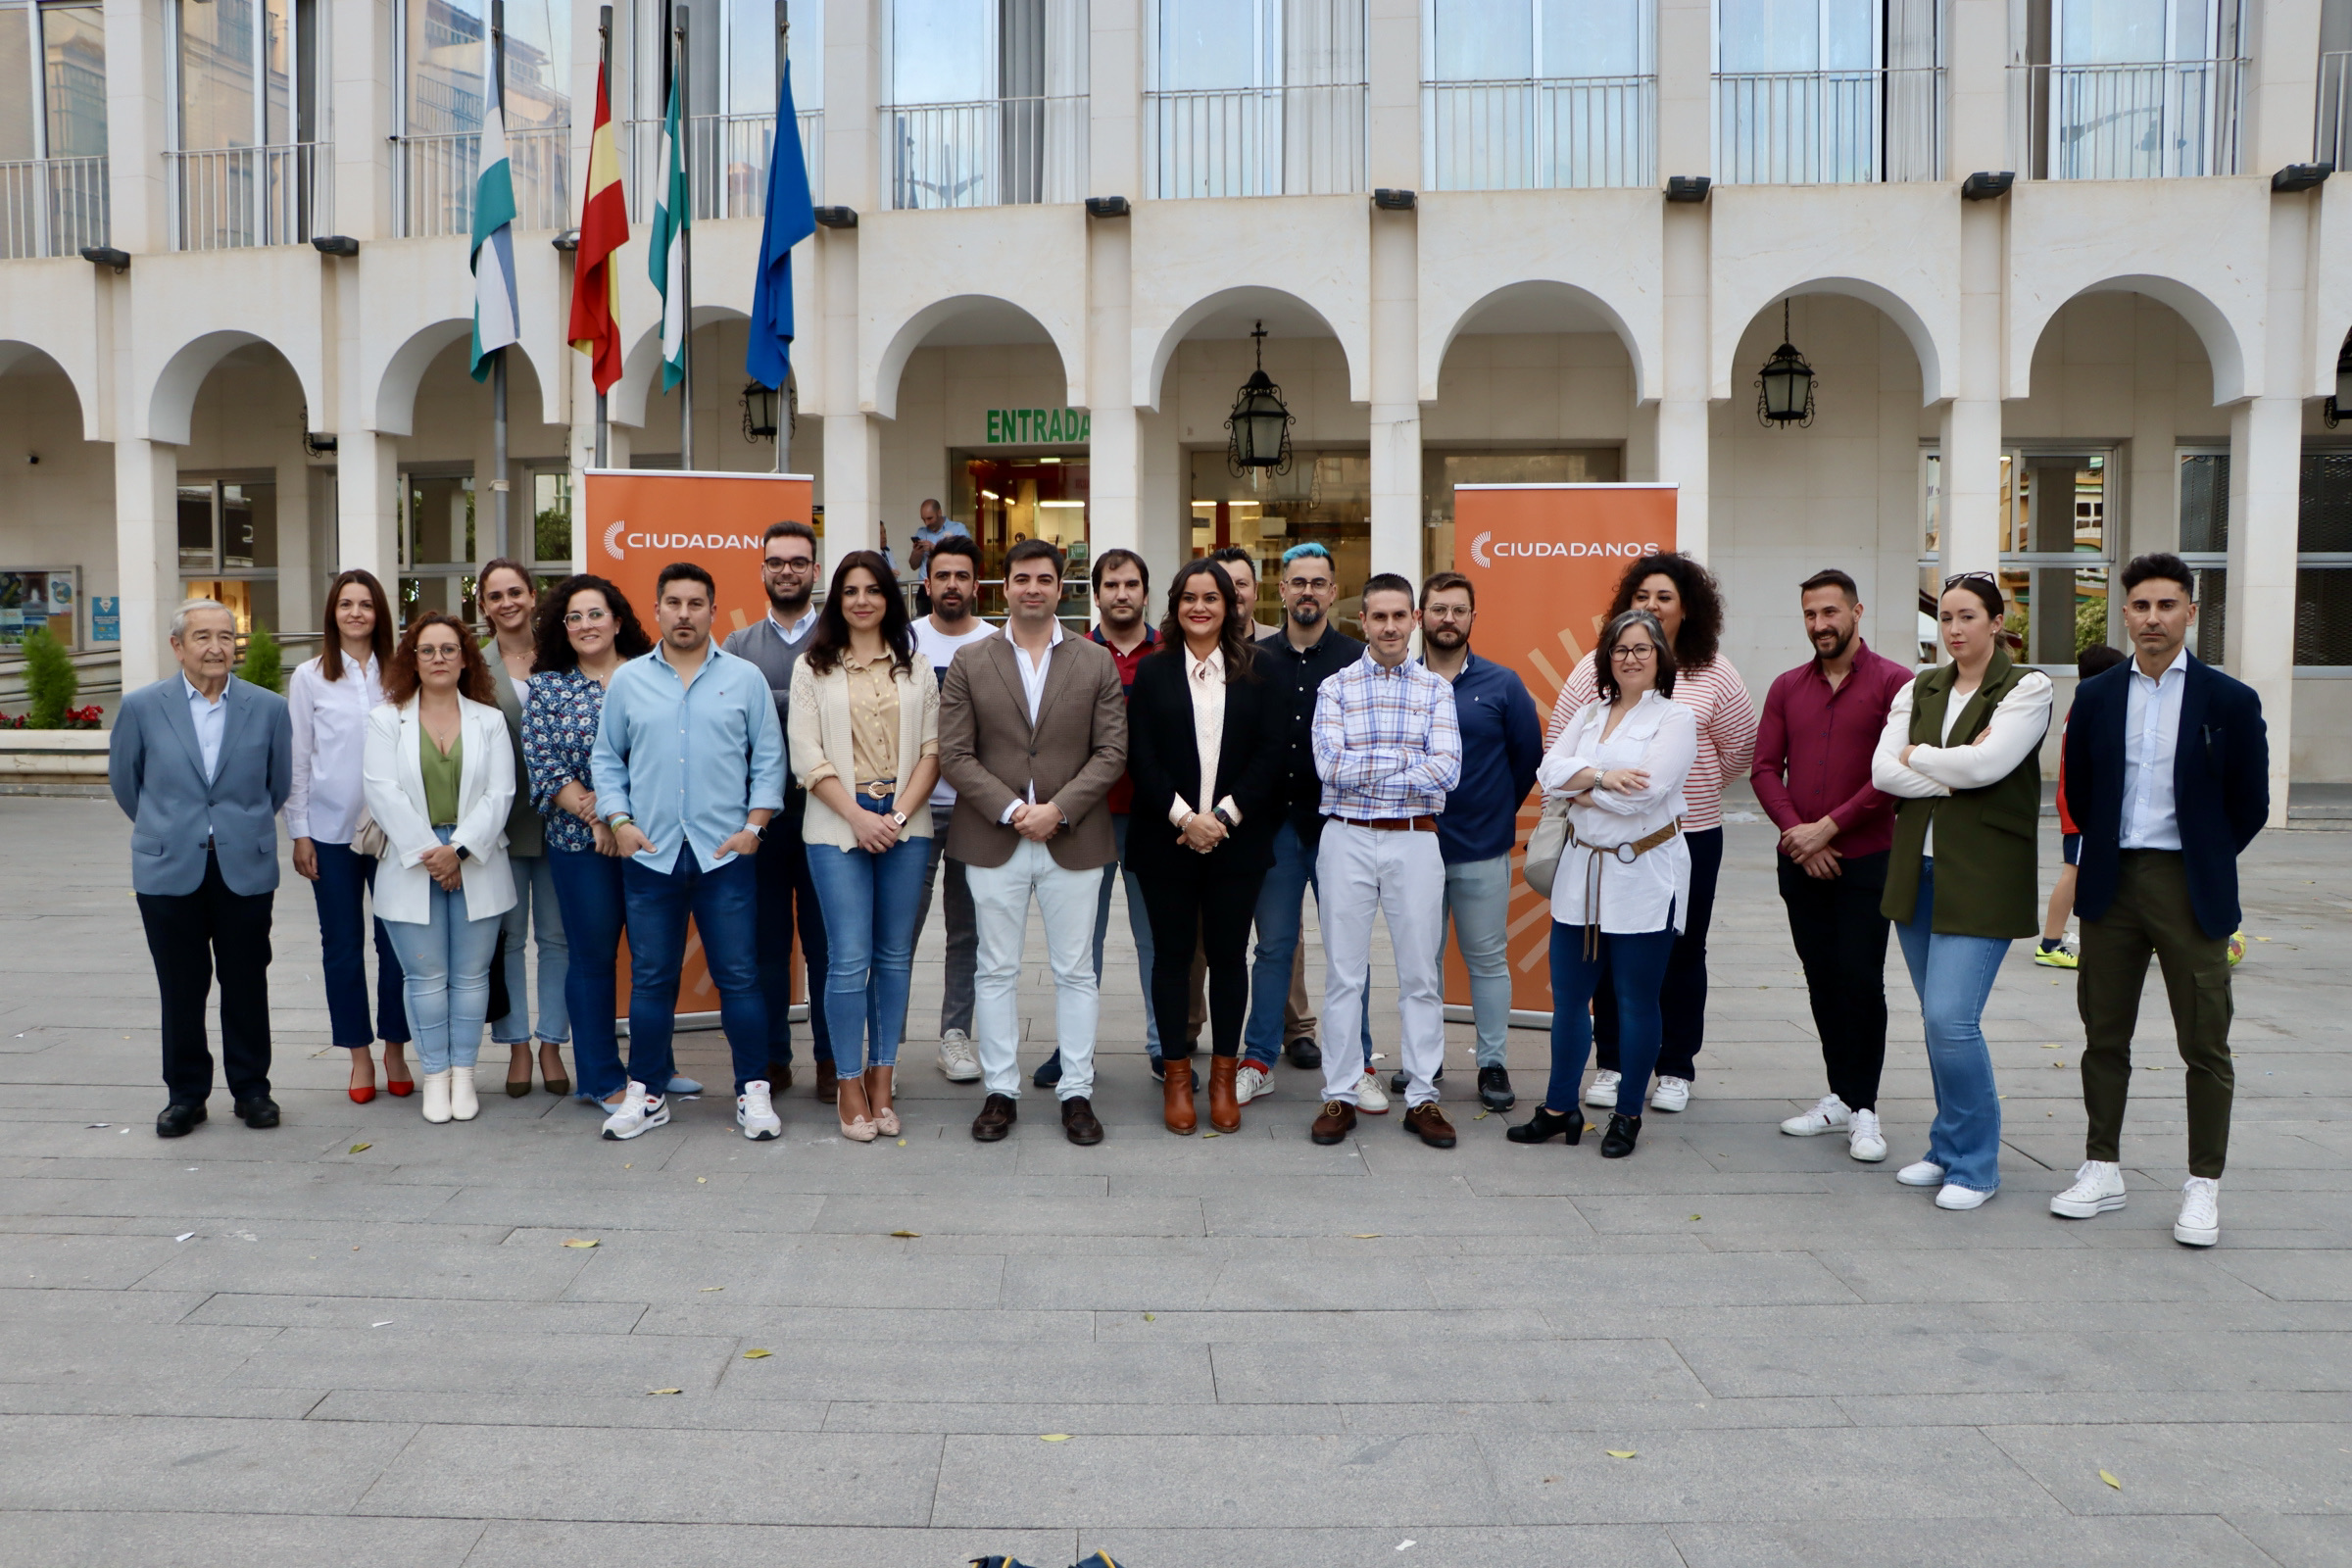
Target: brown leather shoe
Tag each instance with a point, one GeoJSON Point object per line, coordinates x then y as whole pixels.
{"type": "Point", "coordinates": [779, 1077]}
{"type": "Point", "coordinates": [1224, 1110]}
{"type": "Point", "coordinates": [1430, 1122]}
{"type": "Point", "coordinates": [1336, 1122]}
{"type": "Point", "coordinates": [828, 1084]}
{"type": "Point", "coordinates": [998, 1113]}
{"type": "Point", "coordinates": [1078, 1122]}
{"type": "Point", "coordinates": [1177, 1099]}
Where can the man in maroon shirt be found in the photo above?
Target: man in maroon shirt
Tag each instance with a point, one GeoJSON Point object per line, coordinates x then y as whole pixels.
{"type": "Point", "coordinates": [1812, 776]}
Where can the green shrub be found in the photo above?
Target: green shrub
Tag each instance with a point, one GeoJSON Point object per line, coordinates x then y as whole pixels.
{"type": "Point", "coordinates": [264, 665]}
{"type": "Point", "coordinates": [49, 679]}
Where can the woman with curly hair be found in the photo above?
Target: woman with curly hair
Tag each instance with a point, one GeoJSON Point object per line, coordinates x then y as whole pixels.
{"type": "Point", "coordinates": [1688, 604]}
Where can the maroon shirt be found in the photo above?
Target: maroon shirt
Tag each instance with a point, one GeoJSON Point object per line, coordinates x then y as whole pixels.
{"type": "Point", "coordinates": [1814, 746]}
{"type": "Point", "coordinates": [1121, 797]}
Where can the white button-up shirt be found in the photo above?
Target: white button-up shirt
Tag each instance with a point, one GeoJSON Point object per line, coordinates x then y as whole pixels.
{"type": "Point", "coordinates": [2151, 739]}
{"type": "Point", "coordinates": [331, 744]}
{"type": "Point", "coordinates": [211, 716]}
{"type": "Point", "coordinates": [1206, 678]}
{"type": "Point", "coordinates": [796, 632]}
{"type": "Point", "coordinates": [1033, 689]}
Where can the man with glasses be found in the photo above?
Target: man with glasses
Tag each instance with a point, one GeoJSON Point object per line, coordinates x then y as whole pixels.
{"type": "Point", "coordinates": [952, 578]}
{"type": "Point", "coordinates": [787, 897]}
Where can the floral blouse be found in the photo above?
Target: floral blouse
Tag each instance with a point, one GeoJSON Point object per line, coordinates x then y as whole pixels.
{"type": "Point", "coordinates": [559, 731]}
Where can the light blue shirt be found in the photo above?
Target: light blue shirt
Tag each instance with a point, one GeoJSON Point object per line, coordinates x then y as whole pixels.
{"type": "Point", "coordinates": [210, 714]}
{"type": "Point", "coordinates": [688, 762]}
{"type": "Point", "coordinates": [2151, 738]}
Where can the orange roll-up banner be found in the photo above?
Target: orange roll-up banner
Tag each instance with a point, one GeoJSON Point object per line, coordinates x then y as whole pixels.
{"type": "Point", "coordinates": [1544, 560]}
{"type": "Point", "coordinates": [640, 520]}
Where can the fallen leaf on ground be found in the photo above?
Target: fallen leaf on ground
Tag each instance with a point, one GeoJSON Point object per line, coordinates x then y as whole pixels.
{"type": "Point", "coordinates": [758, 1355]}
{"type": "Point", "coordinates": [902, 1143]}
{"type": "Point", "coordinates": [1364, 1236]}
{"type": "Point", "coordinates": [708, 1289]}
{"type": "Point", "coordinates": [1150, 1318]}
{"type": "Point", "coordinates": [574, 1242]}
{"type": "Point", "coordinates": [665, 1390]}
{"type": "Point", "coordinates": [360, 1148]}
{"type": "Point", "coordinates": [699, 1180]}
{"type": "Point", "coordinates": [1053, 1437]}
{"type": "Point", "coordinates": [1209, 1134]}
{"type": "Point", "coordinates": [909, 1235]}
{"type": "Point", "coordinates": [1480, 1116]}
{"type": "Point", "coordinates": [2111, 1481]}
{"type": "Point", "coordinates": [184, 1235]}
{"type": "Point", "coordinates": [1619, 1453]}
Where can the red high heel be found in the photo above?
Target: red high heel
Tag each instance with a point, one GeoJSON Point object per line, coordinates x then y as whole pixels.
{"type": "Point", "coordinates": [400, 1091]}
{"type": "Point", "coordinates": [360, 1097]}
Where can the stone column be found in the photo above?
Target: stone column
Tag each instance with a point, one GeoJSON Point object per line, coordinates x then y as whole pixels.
{"type": "Point", "coordinates": [138, 97]}
{"type": "Point", "coordinates": [1684, 379]}
{"type": "Point", "coordinates": [146, 555]}
{"type": "Point", "coordinates": [360, 100]}
{"type": "Point", "coordinates": [853, 483]}
{"type": "Point", "coordinates": [1396, 524]}
{"type": "Point", "coordinates": [2258, 638]}
{"type": "Point", "coordinates": [367, 505]}
{"type": "Point", "coordinates": [1970, 466]}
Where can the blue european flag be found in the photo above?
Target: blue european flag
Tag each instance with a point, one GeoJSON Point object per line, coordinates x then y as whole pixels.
{"type": "Point", "coordinates": [791, 218]}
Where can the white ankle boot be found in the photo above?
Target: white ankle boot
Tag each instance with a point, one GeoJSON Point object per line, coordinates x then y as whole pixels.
{"type": "Point", "coordinates": [463, 1102]}
{"type": "Point", "coordinates": [436, 1095]}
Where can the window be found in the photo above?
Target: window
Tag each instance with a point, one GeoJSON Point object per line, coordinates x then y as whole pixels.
{"type": "Point", "coordinates": [986, 102]}
{"type": "Point", "coordinates": [1540, 93]}
{"type": "Point", "coordinates": [1827, 91]}
{"type": "Point", "coordinates": [2135, 89]}
{"type": "Point", "coordinates": [445, 91]}
{"type": "Point", "coordinates": [2324, 560]}
{"type": "Point", "coordinates": [2054, 552]}
{"type": "Point", "coordinates": [2205, 546]}
{"type": "Point", "coordinates": [1256, 97]}
{"type": "Point", "coordinates": [247, 123]}
{"type": "Point", "coordinates": [437, 549]}
{"type": "Point", "coordinates": [53, 182]}
{"type": "Point", "coordinates": [228, 547]}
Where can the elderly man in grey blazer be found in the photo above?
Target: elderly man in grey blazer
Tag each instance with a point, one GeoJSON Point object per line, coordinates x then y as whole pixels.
{"type": "Point", "coordinates": [201, 762]}
{"type": "Point", "coordinates": [1032, 733]}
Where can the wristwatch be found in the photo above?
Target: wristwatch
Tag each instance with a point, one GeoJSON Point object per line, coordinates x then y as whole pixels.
{"type": "Point", "coordinates": [1227, 821]}
{"type": "Point", "coordinates": [898, 817]}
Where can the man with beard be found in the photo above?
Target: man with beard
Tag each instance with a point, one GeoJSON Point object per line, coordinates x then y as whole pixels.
{"type": "Point", "coordinates": [1503, 742]}
{"type": "Point", "coordinates": [1812, 776]}
{"type": "Point", "coordinates": [787, 898]}
{"type": "Point", "coordinates": [951, 578]}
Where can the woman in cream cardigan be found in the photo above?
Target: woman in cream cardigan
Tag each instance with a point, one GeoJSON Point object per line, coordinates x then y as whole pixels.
{"type": "Point", "coordinates": [439, 774]}
{"type": "Point", "coordinates": [865, 736]}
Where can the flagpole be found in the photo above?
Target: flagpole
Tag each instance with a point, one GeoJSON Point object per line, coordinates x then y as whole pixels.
{"type": "Point", "coordinates": [776, 149]}
{"type": "Point", "coordinates": [497, 364]}
{"type": "Point", "coordinates": [686, 253]}
{"type": "Point", "coordinates": [604, 59]}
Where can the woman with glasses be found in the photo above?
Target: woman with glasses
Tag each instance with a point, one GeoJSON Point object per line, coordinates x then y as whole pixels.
{"type": "Point", "coordinates": [440, 780]}
{"type": "Point", "coordinates": [584, 630]}
{"type": "Point", "coordinates": [1621, 895]}
{"type": "Point", "coordinates": [1962, 751]}
{"type": "Point", "coordinates": [508, 598]}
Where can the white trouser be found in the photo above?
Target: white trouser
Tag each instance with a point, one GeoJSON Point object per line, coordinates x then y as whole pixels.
{"type": "Point", "coordinates": [1360, 869]}
{"type": "Point", "coordinates": [1000, 911]}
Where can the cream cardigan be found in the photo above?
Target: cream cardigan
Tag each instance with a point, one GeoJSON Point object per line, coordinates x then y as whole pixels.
{"type": "Point", "coordinates": [819, 732]}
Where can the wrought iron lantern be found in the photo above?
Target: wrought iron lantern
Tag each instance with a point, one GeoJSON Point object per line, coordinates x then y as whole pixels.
{"type": "Point", "coordinates": [1260, 422]}
{"type": "Point", "coordinates": [759, 411]}
{"type": "Point", "coordinates": [2337, 408]}
{"type": "Point", "coordinates": [1784, 386]}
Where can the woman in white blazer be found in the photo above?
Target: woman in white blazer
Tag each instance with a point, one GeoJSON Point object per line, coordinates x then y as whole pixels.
{"type": "Point", "coordinates": [865, 735]}
{"type": "Point", "coordinates": [440, 780]}
{"type": "Point", "coordinates": [1623, 888]}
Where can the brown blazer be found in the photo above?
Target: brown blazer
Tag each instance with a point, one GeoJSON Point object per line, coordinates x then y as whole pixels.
{"type": "Point", "coordinates": [989, 752]}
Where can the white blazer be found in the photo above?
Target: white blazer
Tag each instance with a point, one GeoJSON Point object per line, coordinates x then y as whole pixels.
{"type": "Point", "coordinates": [819, 733]}
{"type": "Point", "coordinates": [394, 775]}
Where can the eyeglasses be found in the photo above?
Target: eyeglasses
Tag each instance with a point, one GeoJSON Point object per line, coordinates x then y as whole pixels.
{"type": "Point", "coordinates": [1959, 577]}
{"type": "Point", "coordinates": [1311, 584]}
{"type": "Point", "coordinates": [1447, 613]}
{"type": "Point", "coordinates": [438, 653]}
{"type": "Point", "coordinates": [789, 564]}
{"type": "Point", "coordinates": [1633, 653]}
{"type": "Point", "coordinates": [586, 617]}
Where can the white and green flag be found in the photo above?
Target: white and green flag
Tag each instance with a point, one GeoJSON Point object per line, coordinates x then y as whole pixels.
{"type": "Point", "coordinates": [673, 214]}
{"type": "Point", "coordinates": [493, 258]}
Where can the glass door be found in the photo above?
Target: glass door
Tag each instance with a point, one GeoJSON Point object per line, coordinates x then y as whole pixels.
{"type": "Point", "coordinates": [228, 547]}
{"type": "Point", "coordinates": [437, 552]}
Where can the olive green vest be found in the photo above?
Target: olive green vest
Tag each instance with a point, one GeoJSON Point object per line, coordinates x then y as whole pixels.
{"type": "Point", "coordinates": [1985, 838]}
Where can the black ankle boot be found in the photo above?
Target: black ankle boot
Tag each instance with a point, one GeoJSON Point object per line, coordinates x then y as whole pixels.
{"type": "Point", "coordinates": [1618, 1141]}
{"type": "Point", "coordinates": [1546, 1124]}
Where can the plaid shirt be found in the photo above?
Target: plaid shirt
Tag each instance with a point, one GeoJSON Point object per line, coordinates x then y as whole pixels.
{"type": "Point", "coordinates": [1386, 740]}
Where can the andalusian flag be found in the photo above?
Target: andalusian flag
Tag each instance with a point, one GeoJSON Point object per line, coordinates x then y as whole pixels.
{"type": "Point", "coordinates": [604, 229]}
{"type": "Point", "coordinates": [673, 214]}
{"type": "Point", "coordinates": [493, 257]}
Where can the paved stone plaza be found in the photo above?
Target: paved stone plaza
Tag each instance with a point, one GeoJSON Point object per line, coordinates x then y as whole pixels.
{"type": "Point", "coordinates": [361, 1341]}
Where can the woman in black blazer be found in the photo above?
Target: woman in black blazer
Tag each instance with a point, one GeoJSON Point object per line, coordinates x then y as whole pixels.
{"type": "Point", "coordinates": [1199, 706]}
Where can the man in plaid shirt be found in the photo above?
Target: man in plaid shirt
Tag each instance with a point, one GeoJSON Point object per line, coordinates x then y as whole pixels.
{"type": "Point", "coordinates": [1387, 749]}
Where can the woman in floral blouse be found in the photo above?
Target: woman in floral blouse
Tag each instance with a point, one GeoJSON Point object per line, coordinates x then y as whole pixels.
{"type": "Point", "coordinates": [585, 628]}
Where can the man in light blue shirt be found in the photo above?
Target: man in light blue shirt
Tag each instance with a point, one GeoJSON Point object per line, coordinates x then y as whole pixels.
{"type": "Point", "coordinates": [689, 766]}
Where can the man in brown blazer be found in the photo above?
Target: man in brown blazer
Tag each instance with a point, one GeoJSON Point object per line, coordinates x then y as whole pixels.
{"type": "Point", "coordinates": [1032, 733]}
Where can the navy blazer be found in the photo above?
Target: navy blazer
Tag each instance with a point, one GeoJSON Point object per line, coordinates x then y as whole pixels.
{"type": "Point", "coordinates": [2221, 786]}
{"type": "Point", "coordinates": [157, 773]}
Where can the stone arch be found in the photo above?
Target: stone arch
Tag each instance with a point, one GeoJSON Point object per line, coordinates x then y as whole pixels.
{"type": "Point", "coordinates": [641, 366]}
{"type": "Point", "coordinates": [1934, 356]}
{"type": "Point", "coordinates": [15, 352]}
{"type": "Point", "coordinates": [971, 312]}
{"type": "Point", "coordinates": [171, 403]}
{"type": "Point", "coordinates": [1253, 302]}
{"type": "Point", "coordinates": [1577, 308]}
{"type": "Point", "coordinates": [2224, 348]}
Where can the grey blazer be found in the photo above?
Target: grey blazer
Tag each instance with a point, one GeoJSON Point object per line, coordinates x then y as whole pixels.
{"type": "Point", "coordinates": [157, 773]}
{"type": "Point", "coordinates": [526, 833]}
{"type": "Point", "coordinates": [764, 646]}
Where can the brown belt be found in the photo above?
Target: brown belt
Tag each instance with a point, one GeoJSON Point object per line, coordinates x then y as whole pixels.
{"type": "Point", "coordinates": [1394, 824]}
{"type": "Point", "coordinates": [1623, 855]}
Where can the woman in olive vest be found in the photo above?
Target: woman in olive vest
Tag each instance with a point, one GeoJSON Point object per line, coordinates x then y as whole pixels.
{"type": "Point", "coordinates": [1962, 751]}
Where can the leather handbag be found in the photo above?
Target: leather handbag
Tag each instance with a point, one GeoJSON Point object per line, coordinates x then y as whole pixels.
{"type": "Point", "coordinates": [366, 838]}
{"type": "Point", "coordinates": [1545, 845]}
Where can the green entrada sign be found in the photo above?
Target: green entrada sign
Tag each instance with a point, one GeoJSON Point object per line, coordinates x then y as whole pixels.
{"type": "Point", "coordinates": [1036, 427]}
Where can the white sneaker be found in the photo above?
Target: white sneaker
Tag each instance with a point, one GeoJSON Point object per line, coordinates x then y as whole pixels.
{"type": "Point", "coordinates": [1865, 1142]}
{"type": "Point", "coordinates": [2098, 1187]}
{"type": "Point", "coordinates": [1828, 1114]}
{"type": "Point", "coordinates": [1370, 1097]}
{"type": "Point", "coordinates": [1954, 1196]}
{"type": "Point", "coordinates": [1602, 1090]}
{"type": "Point", "coordinates": [435, 1096]}
{"type": "Point", "coordinates": [755, 1115]}
{"type": "Point", "coordinates": [1671, 1094]}
{"type": "Point", "coordinates": [957, 1057]}
{"type": "Point", "coordinates": [464, 1104]}
{"type": "Point", "coordinates": [638, 1113]}
{"type": "Point", "coordinates": [1927, 1173]}
{"type": "Point", "coordinates": [2200, 1221]}
{"type": "Point", "coordinates": [1249, 1082]}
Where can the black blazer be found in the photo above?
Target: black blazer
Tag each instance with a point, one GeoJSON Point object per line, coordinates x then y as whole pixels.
{"type": "Point", "coordinates": [1164, 760]}
{"type": "Point", "coordinates": [2221, 786]}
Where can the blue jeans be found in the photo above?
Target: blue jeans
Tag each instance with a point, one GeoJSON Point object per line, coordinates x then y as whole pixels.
{"type": "Point", "coordinates": [869, 904]}
{"type": "Point", "coordinates": [788, 905]}
{"type": "Point", "coordinates": [1478, 902]}
{"type": "Point", "coordinates": [1281, 911]}
{"type": "Point", "coordinates": [1636, 968]}
{"type": "Point", "coordinates": [589, 887]}
{"type": "Point", "coordinates": [345, 877]}
{"type": "Point", "coordinates": [535, 904]}
{"type": "Point", "coordinates": [1139, 926]}
{"type": "Point", "coordinates": [725, 906]}
{"type": "Point", "coordinates": [1953, 976]}
{"type": "Point", "coordinates": [445, 969]}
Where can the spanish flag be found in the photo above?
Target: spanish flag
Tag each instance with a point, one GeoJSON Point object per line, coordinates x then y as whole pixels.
{"type": "Point", "coordinates": [604, 229]}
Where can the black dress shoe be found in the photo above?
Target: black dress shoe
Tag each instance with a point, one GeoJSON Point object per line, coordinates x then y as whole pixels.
{"type": "Point", "coordinates": [1049, 1072]}
{"type": "Point", "coordinates": [178, 1121]}
{"type": "Point", "coordinates": [258, 1113]}
{"type": "Point", "coordinates": [1303, 1052]}
{"type": "Point", "coordinates": [1078, 1122]}
{"type": "Point", "coordinates": [1396, 1080]}
{"type": "Point", "coordinates": [1618, 1141]}
{"type": "Point", "coordinates": [1495, 1089]}
{"type": "Point", "coordinates": [998, 1113]}
{"type": "Point", "coordinates": [1546, 1124]}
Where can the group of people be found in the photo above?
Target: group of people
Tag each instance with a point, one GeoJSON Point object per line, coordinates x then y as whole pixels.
{"type": "Point", "coordinates": [572, 778]}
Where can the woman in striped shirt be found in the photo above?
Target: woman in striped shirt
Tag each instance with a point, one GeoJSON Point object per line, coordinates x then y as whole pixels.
{"type": "Point", "coordinates": [1684, 596]}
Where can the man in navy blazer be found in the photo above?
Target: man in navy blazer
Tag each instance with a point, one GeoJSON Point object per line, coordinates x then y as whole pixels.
{"type": "Point", "coordinates": [201, 762]}
{"type": "Point", "coordinates": [2168, 776]}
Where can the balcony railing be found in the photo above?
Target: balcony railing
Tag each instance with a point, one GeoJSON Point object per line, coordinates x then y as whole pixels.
{"type": "Point", "coordinates": [1828, 127]}
{"type": "Point", "coordinates": [2159, 120]}
{"type": "Point", "coordinates": [1256, 141]}
{"type": "Point", "coordinates": [238, 196]}
{"type": "Point", "coordinates": [437, 176]}
{"type": "Point", "coordinates": [2331, 140]}
{"type": "Point", "coordinates": [726, 163]}
{"type": "Point", "coordinates": [52, 206]}
{"type": "Point", "coordinates": [1548, 135]}
{"type": "Point", "coordinates": [995, 152]}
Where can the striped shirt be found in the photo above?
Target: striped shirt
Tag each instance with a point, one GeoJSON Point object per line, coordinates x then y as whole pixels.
{"type": "Point", "coordinates": [1386, 740]}
{"type": "Point", "coordinates": [1727, 730]}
